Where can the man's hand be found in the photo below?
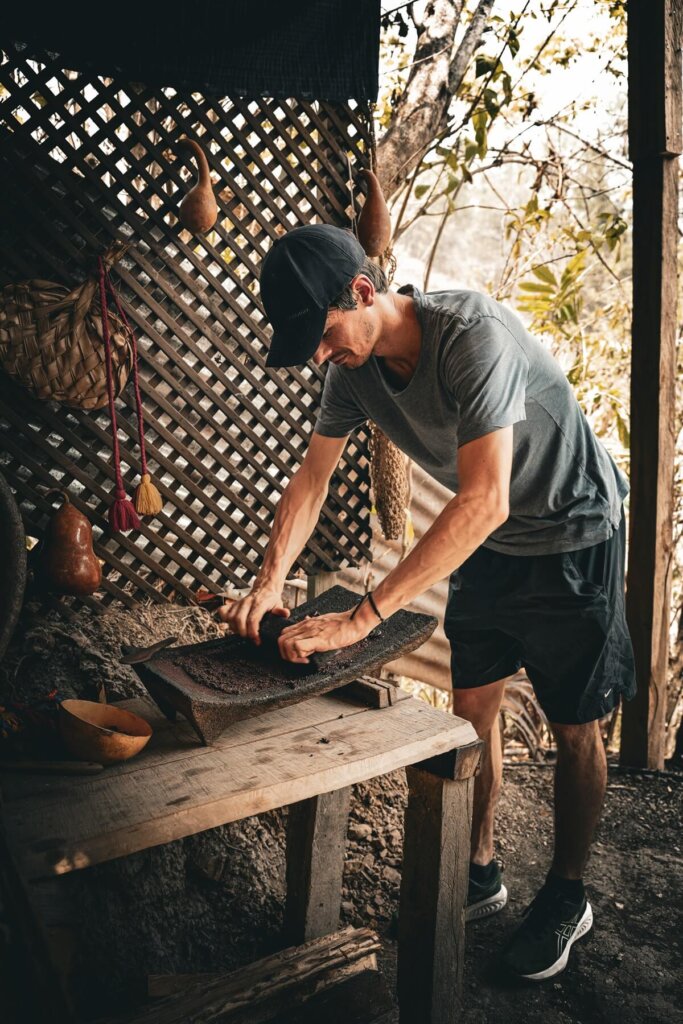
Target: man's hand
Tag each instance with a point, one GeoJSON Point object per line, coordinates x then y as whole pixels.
{"type": "Point", "coordinates": [322, 633]}
{"type": "Point", "coordinates": [244, 616]}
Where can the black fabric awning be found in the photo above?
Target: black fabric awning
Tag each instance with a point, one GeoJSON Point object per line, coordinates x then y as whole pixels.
{"type": "Point", "coordinates": [311, 49]}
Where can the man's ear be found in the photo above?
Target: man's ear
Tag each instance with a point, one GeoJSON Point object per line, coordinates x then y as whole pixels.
{"type": "Point", "coordinates": [364, 289]}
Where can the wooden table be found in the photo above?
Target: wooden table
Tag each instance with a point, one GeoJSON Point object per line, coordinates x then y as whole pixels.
{"type": "Point", "coordinates": [307, 756]}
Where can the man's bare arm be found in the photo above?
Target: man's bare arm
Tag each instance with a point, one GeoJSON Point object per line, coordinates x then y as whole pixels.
{"type": "Point", "coordinates": [299, 508]}
{"type": "Point", "coordinates": [481, 505]}
{"type": "Point", "coordinates": [295, 519]}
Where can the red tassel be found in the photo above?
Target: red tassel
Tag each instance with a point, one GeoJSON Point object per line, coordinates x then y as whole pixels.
{"type": "Point", "coordinates": [122, 514]}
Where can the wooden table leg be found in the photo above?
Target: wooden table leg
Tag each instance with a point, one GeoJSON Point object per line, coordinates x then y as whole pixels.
{"type": "Point", "coordinates": [431, 931]}
{"type": "Point", "coordinates": [41, 913]}
{"type": "Point", "coordinates": [316, 842]}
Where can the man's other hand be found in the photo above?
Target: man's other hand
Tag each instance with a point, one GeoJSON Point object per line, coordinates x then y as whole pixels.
{"type": "Point", "coordinates": [244, 616]}
{"type": "Point", "coordinates": [320, 633]}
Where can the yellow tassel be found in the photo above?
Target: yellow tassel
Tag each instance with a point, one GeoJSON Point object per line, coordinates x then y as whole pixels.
{"type": "Point", "coordinates": [147, 498]}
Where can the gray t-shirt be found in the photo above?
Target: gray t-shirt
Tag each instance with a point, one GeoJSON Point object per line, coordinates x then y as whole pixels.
{"type": "Point", "coordinates": [479, 370]}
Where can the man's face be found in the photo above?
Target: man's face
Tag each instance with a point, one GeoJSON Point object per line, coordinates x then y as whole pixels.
{"type": "Point", "coordinates": [349, 336]}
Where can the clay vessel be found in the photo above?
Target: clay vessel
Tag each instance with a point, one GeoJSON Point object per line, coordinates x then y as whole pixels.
{"type": "Point", "coordinates": [101, 732]}
{"type": "Point", "coordinates": [198, 210]}
{"type": "Point", "coordinates": [374, 222]}
{"type": "Point", "coordinates": [69, 565]}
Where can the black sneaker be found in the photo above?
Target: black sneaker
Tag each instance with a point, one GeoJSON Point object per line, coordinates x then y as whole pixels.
{"type": "Point", "coordinates": [485, 898]}
{"type": "Point", "coordinates": [539, 949]}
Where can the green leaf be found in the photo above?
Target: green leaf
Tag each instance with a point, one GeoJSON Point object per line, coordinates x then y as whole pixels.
{"type": "Point", "coordinates": [544, 273]}
{"type": "Point", "coordinates": [540, 289]}
{"type": "Point", "coordinates": [622, 429]}
{"type": "Point", "coordinates": [484, 65]}
{"type": "Point", "coordinates": [452, 160]}
{"type": "Point", "coordinates": [479, 121]}
{"type": "Point", "coordinates": [491, 102]}
{"type": "Point", "coordinates": [420, 190]}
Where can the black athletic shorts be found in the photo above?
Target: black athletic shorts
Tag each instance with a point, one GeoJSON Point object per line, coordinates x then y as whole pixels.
{"type": "Point", "coordinates": [561, 617]}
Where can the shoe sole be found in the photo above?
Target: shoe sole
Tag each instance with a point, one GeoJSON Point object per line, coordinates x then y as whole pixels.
{"type": "Point", "coordinates": [484, 908]}
{"type": "Point", "coordinates": [583, 927]}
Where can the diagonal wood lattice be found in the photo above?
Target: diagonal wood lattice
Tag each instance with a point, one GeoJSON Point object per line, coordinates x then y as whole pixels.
{"type": "Point", "coordinates": [84, 160]}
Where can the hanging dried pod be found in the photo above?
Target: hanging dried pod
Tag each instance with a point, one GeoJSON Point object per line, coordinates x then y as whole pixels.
{"type": "Point", "coordinates": [389, 478]}
{"type": "Point", "coordinates": [198, 210]}
{"type": "Point", "coordinates": [69, 565]}
{"type": "Point", "coordinates": [374, 222]}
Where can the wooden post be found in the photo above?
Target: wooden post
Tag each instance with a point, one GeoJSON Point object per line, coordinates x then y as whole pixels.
{"type": "Point", "coordinates": [316, 843]}
{"type": "Point", "coordinates": [436, 857]}
{"type": "Point", "coordinates": [654, 42]}
{"type": "Point", "coordinates": [319, 583]}
{"type": "Point", "coordinates": [43, 918]}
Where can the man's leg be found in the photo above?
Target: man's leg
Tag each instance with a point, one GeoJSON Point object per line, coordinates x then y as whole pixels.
{"type": "Point", "coordinates": [486, 893]}
{"type": "Point", "coordinates": [480, 706]}
{"type": "Point", "coordinates": [580, 782]}
{"type": "Point", "coordinates": [560, 913]}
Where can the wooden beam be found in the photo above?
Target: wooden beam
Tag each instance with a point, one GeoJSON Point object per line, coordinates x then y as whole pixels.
{"type": "Point", "coordinates": [431, 939]}
{"type": "Point", "coordinates": [654, 40]}
{"type": "Point", "coordinates": [318, 584]}
{"type": "Point", "coordinates": [316, 843]}
{"type": "Point", "coordinates": [44, 961]}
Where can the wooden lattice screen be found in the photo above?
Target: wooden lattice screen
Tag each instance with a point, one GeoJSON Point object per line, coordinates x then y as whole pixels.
{"type": "Point", "coordinates": [86, 160]}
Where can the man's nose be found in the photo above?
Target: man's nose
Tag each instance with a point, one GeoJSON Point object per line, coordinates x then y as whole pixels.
{"type": "Point", "coordinates": [321, 353]}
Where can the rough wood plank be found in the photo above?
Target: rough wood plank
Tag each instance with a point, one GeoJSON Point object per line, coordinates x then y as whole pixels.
{"type": "Point", "coordinates": [431, 940]}
{"type": "Point", "coordinates": [319, 583]}
{"type": "Point", "coordinates": [57, 826]}
{"type": "Point", "coordinates": [316, 844]}
{"type": "Point", "coordinates": [655, 139]}
{"type": "Point", "coordinates": [277, 985]}
{"type": "Point", "coordinates": [175, 742]}
{"type": "Point", "coordinates": [351, 994]}
{"type": "Point", "coordinates": [654, 87]}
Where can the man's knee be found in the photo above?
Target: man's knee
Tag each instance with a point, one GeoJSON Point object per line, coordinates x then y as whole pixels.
{"type": "Point", "coordinates": [479, 705]}
{"type": "Point", "coordinates": [574, 739]}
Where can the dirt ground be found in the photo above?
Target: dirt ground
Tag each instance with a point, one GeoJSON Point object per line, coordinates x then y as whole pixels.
{"type": "Point", "coordinates": [215, 900]}
{"type": "Point", "coordinates": [628, 969]}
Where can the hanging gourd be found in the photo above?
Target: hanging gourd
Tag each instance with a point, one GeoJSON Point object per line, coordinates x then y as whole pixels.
{"type": "Point", "coordinates": [69, 564]}
{"type": "Point", "coordinates": [198, 210]}
{"type": "Point", "coordinates": [374, 222]}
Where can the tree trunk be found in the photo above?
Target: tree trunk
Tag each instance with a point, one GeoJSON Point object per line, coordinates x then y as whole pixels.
{"type": "Point", "coordinates": [435, 76]}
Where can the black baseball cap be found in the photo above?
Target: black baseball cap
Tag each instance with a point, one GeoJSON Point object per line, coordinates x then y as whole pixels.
{"type": "Point", "coordinates": [303, 272]}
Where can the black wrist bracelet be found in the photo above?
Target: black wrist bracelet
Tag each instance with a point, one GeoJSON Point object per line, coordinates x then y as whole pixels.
{"type": "Point", "coordinates": [372, 605]}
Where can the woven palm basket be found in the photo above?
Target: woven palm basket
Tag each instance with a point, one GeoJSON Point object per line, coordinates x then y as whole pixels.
{"type": "Point", "coordinates": [51, 341]}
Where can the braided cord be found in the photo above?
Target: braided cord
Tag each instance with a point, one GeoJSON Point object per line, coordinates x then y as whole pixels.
{"type": "Point", "coordinates": [136, 378]}
{"type": "Point", "coordinates": [120, 493]}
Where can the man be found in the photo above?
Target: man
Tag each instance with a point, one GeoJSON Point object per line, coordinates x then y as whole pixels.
{"type": "Point", "coordinates": [533, 540]}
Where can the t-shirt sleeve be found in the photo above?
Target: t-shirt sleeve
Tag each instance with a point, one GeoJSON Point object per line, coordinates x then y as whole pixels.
{"type": "Point", "coordinates": [340, 412]}
{"type": "Point", "coordinates": [486, 371]}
